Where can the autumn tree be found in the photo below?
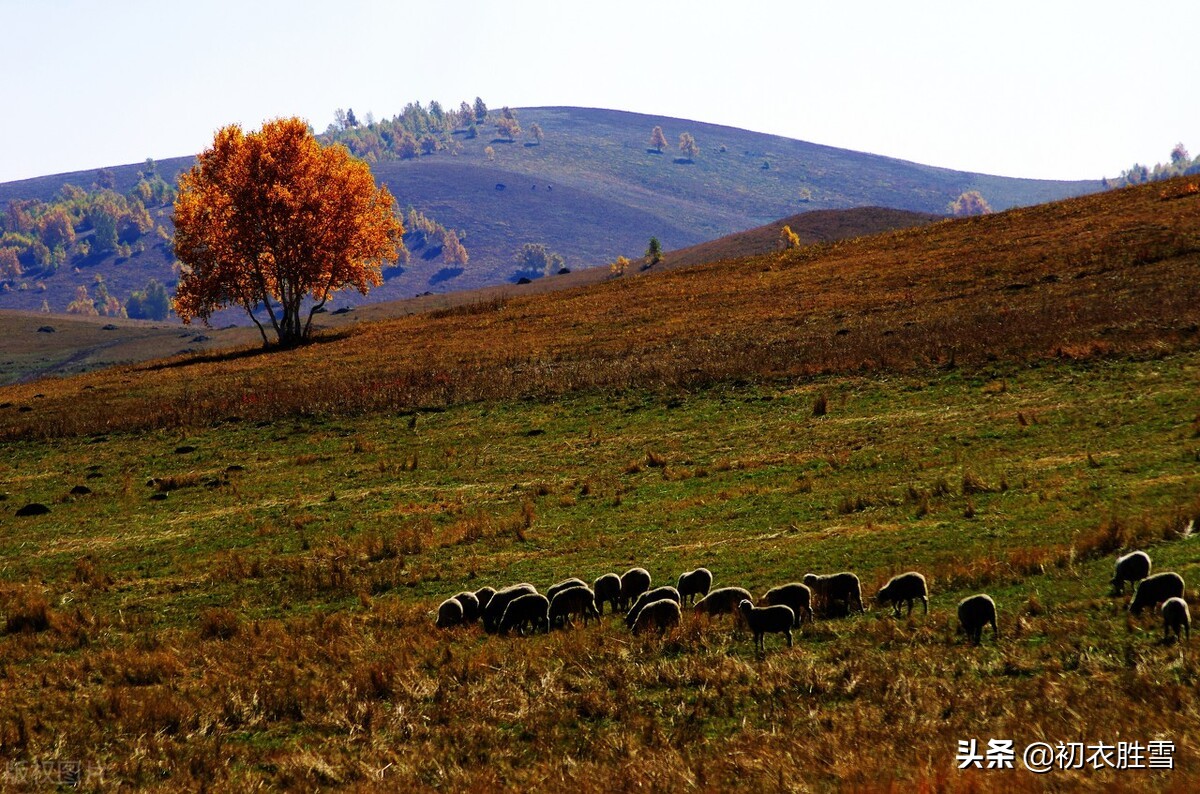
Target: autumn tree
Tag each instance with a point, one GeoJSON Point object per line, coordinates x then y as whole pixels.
{"type": "Point", "coordinates": [687, 145]}
{"type": "Point", "coordinates": [535, 130]}
{"type": "Point", "coordinates": [536, 259]}
{"type": "Point", "coordinates": [10, 264]}
{"type": "Point", "coordinates": [453, 251]}
{"type": "Point", "coordinates": [407, 146]}
{"type": "Point", "coordinates": [105, 304]}
{"type": "Point", "coordinates": [970, 202]}
{"type": "Point", "coordinates": [150, 303]}
{"type": "Point", "coordinates": [788, 238]}
{"type": "Point", "coordinates": [83, 304]}
{"type": "Point", "coordinates": [508, 125]}
{"type": "Point", "coordinates": [274, 219]}
{"type": "Point", "coordinates": [654, 251]}
{"type": "Point", "coordinates": [658, 140]}
{"type": "Point", "coordinates": [56, 229]}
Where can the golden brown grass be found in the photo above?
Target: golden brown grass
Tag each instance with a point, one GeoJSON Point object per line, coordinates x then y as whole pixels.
{"type": "Point", "coordinates": [1115, 273]}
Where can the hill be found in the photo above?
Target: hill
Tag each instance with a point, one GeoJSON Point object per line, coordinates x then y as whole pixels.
{"type": "Point", "coordinates": [1002, 403]}
{"type": "Point", "coordinates": [591, 190]}
{"type": "Point", "coordinates": [86, 343]}
{"type": "Point", "coordinates": [1109, 272]}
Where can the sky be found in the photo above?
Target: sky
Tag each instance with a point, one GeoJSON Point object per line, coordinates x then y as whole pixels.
{"type": "Point", "coordinates": [1051, 89]}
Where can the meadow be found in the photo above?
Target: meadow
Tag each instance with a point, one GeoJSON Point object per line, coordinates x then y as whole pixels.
{"type": "Point", "coordinates": [244, 598]}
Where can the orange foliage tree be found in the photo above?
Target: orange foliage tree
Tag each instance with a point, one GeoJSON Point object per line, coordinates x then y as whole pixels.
{"type": "Point", "coordinates": [274, 219]}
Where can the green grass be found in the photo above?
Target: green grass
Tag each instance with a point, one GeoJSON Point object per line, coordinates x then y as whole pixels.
{"type": "Point", "coordinates": [335, 543]}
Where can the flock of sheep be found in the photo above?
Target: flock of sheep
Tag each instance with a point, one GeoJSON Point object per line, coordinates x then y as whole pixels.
{"type": "Point", "coordinates": [521, 608]}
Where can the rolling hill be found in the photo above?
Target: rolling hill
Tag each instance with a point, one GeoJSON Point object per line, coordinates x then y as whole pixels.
{"type": "Point", "coordinates": [82, 343]}
{"type": "Point", "coordinates": [232, 580]}
{"type": "Point", "coordinates": [591, 190]}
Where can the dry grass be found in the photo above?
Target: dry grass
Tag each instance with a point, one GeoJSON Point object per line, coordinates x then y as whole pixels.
{"type": "Point", "coordinates": [1116, 273]}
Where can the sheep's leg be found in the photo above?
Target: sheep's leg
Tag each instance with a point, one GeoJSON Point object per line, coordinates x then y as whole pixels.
{"type": "Point", "coordinates": [789, 636]}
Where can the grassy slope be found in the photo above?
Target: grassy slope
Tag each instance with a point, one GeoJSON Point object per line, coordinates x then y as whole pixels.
{"type": "Point", "coordinates": [88, 344]}
{"type": "Point", "coordinates": [607, 196]}
{"type": "Point", "coordinates": [326, 552]}
{"type": "Point", "coordinates": [330, 550]}
{"type": "Point", "coordinates": [1115, 273]}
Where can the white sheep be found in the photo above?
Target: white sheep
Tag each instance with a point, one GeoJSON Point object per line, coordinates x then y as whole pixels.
{"type": "Point", "coordinates": [905, 587]}
{"type": "Point", "coordinates": [648, 597]}
{"type": "Point", "coordinates": [831, 589]}
{"type": "Point", "coordinates": [975, 612]}
{"type": "Point", "coordinates": [1132, 568]}
{"type": "Point", "coordinates": [694, 583]}
{"type": "Point", "coordinates": [662, 614]}
{"type": "Point", "coordinates": [555, 589]}
{"type": "Point", "coordinates": [470, 606]}
{"type": "Point", "coordinates": [1153, 590]}
{"type": "Point", "coordinates": [722, 600]}
{"type": "Point", "coordinates": [450, 613]}
{"type": "Point", "coordinates": [794, 595]}
{"type": "Point", "coordinates": [608, 590]}
{"type": "Point", "coordinates": [634, 582]}
{"type": "Point", "coordinates": [573, 601]}
{"type": "Point", "coordinates": [1176, 618]}
{"type": "Point", "coordinates": [530, 610]}
{"type": "Point", "coordinates": [500, 601]}
{"type": "Point", "coordinates": [776, 619]}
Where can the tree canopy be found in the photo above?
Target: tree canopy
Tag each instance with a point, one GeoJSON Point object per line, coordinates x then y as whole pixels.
{"type": "Point", "coordinates": [274, 219]}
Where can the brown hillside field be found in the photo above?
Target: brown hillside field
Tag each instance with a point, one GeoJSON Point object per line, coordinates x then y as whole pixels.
{"type": "Point", "coordinates": [233, 581]}
{"type": "Point", "coordinates": [1103, 274]}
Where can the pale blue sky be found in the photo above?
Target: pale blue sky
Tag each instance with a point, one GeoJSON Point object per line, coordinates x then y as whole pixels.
{"type": "Point", "coordinates": [1063, 90]}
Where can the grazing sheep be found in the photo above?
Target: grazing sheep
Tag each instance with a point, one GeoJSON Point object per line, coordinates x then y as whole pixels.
{"type": "Point", "coordinates": [722, 600]}
{"type": "Point", "coordinates": [470, 606]}
{"type": "Point", "coordinates": [1132, 568]}
{"type": "Point", "coordinates": [634, 582]}
{"type": "Point", "coordinates": [1153, 590]}
{"type": "Point", "coordinates": [794, 595]}
{"type": "Point", "coordinates": [573, 601]}
{"type": "Point", "coordinates": [975, 612]}
{"type": "Point", "coordinates": [694, 583]}
{"type": "Point", "coordinates": [904, 587]}
{"type": "Point", "coordinates": [649, 597]}
{"type": "Point", "coordinates": [500, 601]}
{"type": "Point", "coordinates": [529, 610]}
{"type": "Point", "coordinates": [662, 614]}
{"type": "Point", "coordinates": [450, 613]}
{"type": "Point", "coordinates": [607, 589]}
{"type": "Point", "coordinates": [484, 594]}
{"type": "Point", "coordinates": [832, 588]}
{"type": "Point", "coordinates": [563, 585]}
{"type": "Point", "coordinates": [777, 619]}
{"type": "Point", "coordinates": [1176, 618]}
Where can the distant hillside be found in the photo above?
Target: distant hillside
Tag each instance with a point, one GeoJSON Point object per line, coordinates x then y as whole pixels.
{"type": "Point", "coordinates": [81, 344]}
{"type": "Point", "coordinates": [592, 190]}
{"type": "Point", "coordinates": [818, 226]}
{"type": "Point", "coordinates": [1117, 273]}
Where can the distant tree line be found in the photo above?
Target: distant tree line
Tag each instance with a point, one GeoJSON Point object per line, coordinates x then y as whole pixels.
{"type": "Point", "coordinates": [423, 232]}
{"type": "Point", "coordinates": [422, 130]}
{"type": "Point", "coordinates": [1181, 163]}
{"type": "Point", "coordinates": [687, 144]}
{"type": "Point", "coordinates": [38, 237]}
